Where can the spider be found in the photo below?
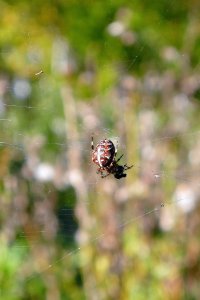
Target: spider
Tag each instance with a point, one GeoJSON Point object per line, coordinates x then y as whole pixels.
{"type": "Point", "coordinates": [103, 155]}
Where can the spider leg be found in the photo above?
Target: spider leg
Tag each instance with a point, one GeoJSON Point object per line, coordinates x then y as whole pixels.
{"type": "Point", "coordinates": [92, 143]}
{"type": "Point", "coordinates": [127, 167]}
{"type": "Point", "coordinates": [99, 170]}
{"type": "Point", "coordinates": [116, 148]}
{"type": "Point", "coordinates": [105, 175]}
{"type": "Point", "coordinates": [119, 158]}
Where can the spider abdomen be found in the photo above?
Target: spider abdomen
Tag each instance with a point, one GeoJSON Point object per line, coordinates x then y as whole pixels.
{"type": "Point", "coordinates": [104, 153]}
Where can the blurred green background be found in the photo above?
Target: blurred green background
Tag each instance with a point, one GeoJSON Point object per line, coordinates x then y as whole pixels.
{"type": "Point", "coordinates": [123, 70]}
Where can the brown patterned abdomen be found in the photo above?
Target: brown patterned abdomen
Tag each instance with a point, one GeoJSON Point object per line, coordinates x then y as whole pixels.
{"type": "Point", "coordinates": [104, 153]}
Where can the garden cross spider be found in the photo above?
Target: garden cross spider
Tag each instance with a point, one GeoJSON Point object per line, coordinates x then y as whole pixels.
{"type": "Point", "coordinates": [103, 155]}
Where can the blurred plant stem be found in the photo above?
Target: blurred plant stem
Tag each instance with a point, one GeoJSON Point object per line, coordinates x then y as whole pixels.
{"type": "Point", "coordinates": [105, 262]}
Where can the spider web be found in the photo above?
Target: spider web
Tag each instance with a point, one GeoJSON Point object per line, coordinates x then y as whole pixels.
{"type": "Point", "coordinates": [184, 199]}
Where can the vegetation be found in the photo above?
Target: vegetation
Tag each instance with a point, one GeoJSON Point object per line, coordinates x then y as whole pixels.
{"type": "Point", "coordinates": [118, 69]}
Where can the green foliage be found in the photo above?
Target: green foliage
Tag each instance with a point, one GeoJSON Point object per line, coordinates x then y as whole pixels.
{"type": "Point", "coordinates": [10, 266]}
{"type": "Point", "coordinates": [129, 68]}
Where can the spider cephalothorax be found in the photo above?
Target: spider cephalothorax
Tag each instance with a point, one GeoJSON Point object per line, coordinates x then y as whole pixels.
{"type": "Point", "coordinates": [103, 155]}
